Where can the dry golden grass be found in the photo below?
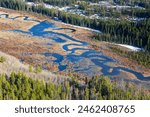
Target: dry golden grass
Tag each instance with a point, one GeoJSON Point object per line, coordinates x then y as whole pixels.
{"type": "Point", "coordinates": [7, 24]}
{"type": "Point", "coordinates": [16, 44]}
{"type": "Point", "coordinates": [12, 64]}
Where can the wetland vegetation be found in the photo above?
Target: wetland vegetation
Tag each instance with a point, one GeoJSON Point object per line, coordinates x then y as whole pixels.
{"type": "Point", "coordinates": [116, 25]}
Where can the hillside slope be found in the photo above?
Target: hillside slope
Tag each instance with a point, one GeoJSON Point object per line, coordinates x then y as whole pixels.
{"type": "Point", "coordinates": [12, 64]}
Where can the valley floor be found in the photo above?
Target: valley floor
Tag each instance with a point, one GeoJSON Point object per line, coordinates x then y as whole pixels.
{"type": "Point", "coordinates": [61, 54]}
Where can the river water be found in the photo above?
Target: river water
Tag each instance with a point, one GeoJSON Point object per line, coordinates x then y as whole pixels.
{"type": "Point", "coordinates": [89, 62]}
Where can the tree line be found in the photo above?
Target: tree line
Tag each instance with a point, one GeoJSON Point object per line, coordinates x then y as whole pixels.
{"type": "Point", "coordinates": [119, 31]}
{"type": "Point", "coordinates": [143, 58]}
{"type": "Point", "coordinates": [124, 32]}
{"type": "Point", "coordinates": [59, 3]}
{"type": "Point", "coordinates": [20, 87]}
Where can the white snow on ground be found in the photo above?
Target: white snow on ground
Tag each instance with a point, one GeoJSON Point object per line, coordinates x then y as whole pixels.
{"type": "Point", "coordinates": [139, 7]}
{"type": "Point", "coordinates": [110, 5]}
{"type": "Point", "coordinates": [31, 3]}
{"type": "Point", "coordinates": [95, 16]}
{"type": "Point", "coordinates": [77, 6]}
{"type": "Point", "coordinates": [82, 12]}
{"type": "Point", "coordinates": [135, 19]}
{"type": "Point", "coordinates": [97, 31]}
{"type": "Point", "coordinates": [75, 10]}
{"type": "Point", "coordinates": [101, 3]}
{"type": "Point", "coordinates": [50, 6]}
{"type": "Point", "coordinates": [64, 9]}
{"type": "Point", "coordinates": [133, 48]}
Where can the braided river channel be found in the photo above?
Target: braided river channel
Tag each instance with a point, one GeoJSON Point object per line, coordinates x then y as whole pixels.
{"type": "Point", "coordinates": [89, 62]}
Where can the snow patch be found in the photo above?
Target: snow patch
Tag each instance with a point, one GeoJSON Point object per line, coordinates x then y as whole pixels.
{"type": "Point", "coordinates": [90, 29]}
{"type": "Point", "coordinates": [133, 48]}
{"type": "Point", "coordinates": [31, 4]}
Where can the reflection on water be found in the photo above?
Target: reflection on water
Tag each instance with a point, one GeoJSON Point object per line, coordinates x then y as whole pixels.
{"type": "Point", "coordinates": [86, 62]}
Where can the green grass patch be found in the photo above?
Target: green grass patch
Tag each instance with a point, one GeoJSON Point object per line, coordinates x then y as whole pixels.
{"type": "Point", "coordinates": [2, 59]}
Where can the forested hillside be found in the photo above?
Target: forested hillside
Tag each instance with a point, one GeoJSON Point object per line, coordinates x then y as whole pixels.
{"type": "Point", "coordinates": [116, 26]}
{"type": "Point", "coordinates": [119, 31]}
{"type": "Point", "coordinates": [55, 2]}
{"type": "Point", "coordinates": [20, 87]}
{"type": "Point", "coordinates": [143, 3]}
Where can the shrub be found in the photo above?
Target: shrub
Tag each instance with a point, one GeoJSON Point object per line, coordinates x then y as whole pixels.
{"type": "Point", "coordinates": [38, 69]}
{"type": "Point", "coordinates": [30, 68]}
{"type": "Point", "coordinates": [2, 59]}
